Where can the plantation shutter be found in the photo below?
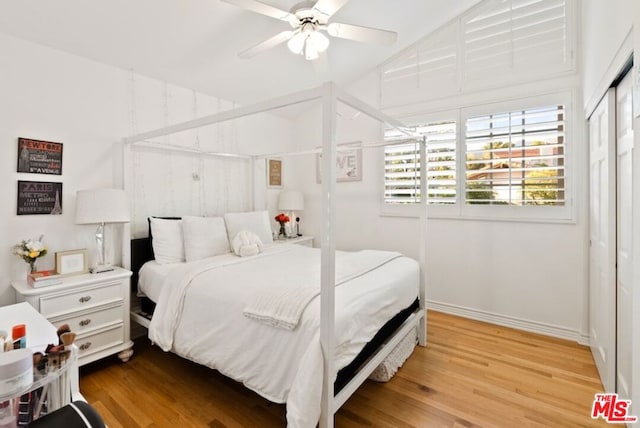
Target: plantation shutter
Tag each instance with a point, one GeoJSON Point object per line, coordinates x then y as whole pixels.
{"type": "Point", "coordinates": [428, 69]}
{"type": "Point", "coordinates": [527, 37]}
{"type": "Point", "coordinates": [516, 158]}
{"type": "Point", "coordinates": [402, 166]}
{"type": "Point", "coordinates": [497, 42]}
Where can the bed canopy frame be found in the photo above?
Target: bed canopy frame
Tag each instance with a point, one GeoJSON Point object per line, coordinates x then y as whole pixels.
{"type": "Point", "coordinates": [329, 95]}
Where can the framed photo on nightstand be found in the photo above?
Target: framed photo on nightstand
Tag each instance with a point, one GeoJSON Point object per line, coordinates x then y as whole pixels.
{"type": "Point", "coordinates": [74, 262]}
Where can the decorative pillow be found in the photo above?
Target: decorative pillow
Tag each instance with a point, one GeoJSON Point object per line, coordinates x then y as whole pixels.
{"type": "Point", "coordinates": [168, 246]}
{"type": "Point", "coordinates": [247, 244]}
{"type": "Point", "coordinates": [204, 237]}
{"type": "Point", "coordinates": [253, 221]}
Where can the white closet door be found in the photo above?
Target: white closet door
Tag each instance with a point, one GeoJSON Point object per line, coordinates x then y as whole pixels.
{"type": "Point", "coordinates": [624, 131]}
{"type": "Point", "coordinates": [602, 277]}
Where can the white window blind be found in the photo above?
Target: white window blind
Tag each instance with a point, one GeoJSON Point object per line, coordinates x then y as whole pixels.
{"type": "Point", "coordinates": [402, 166]}
{"type": "Point", "coordinates": [516, 158]}
{"type": "Point", "coordinates": [523, 36]}
{"type": "Point", "coordinates": [430, 68]}
{"type": "Point", "coordinates": [495, 43]}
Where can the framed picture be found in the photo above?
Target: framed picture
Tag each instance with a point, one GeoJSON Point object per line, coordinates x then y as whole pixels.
{"type": "Point", "coordinates": [348, 166]}
{"type": "Point", "coordinates": [39, 157]}
{"type": "Point", "coordinates": [72, 262]}
{"type": "Point", "coordinates": [39, 197]}
{"type": "Point", "coordinates": [274, 173]}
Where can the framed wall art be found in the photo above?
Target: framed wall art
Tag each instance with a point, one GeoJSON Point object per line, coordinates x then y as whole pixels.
{"type": "Point", "coordinates": [348, 166]}
{"type": "Point", "coordinates": [274, 173]}
{"type": "Point", "coordinates": [39, 157]}
{"type": "Point", "coordinates": [39, 197]}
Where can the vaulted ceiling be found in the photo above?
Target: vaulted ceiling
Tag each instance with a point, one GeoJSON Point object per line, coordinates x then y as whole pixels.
{"type": "Point", "coordinates": [194, 43]}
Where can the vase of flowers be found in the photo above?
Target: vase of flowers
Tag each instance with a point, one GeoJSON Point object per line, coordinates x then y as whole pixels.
{"type": "Point", "coordinates": [30, 251]}
{"type": "Point", "coordinates": [282, 219]}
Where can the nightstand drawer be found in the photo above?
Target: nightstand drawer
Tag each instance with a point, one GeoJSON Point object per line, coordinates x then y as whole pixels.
{"type": "Point", "coordinates": [91, 320]}
{"type": "Point", "coordinates": [100, 341]}
{"type": "Point", "coordinates": [77, 300]}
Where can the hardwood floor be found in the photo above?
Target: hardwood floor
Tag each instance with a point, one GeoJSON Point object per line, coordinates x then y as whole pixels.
{"type": "Point", "coordinates": [470, 374]}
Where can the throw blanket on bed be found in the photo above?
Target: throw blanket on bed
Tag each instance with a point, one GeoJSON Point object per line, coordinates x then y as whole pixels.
{"type": "Point", "coordinates": [283, 303]}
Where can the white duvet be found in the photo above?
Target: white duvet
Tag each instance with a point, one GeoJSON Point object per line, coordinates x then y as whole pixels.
{"type": "Point", "coordinates": [199, 315]}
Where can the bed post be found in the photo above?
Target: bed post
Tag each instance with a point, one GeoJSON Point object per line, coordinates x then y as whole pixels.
{"type": "Point", "coordinates": [125, 150]}
{"type": "Point", "coordinates": [327, 293]}
{"type": "Point", "coordinates": [422, 330]}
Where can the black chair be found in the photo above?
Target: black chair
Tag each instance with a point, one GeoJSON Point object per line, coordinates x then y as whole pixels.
{"type": "Point", "coordinates": [78, 414]}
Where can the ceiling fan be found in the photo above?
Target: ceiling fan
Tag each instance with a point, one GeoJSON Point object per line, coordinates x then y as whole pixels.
{"type": "Point", "coordinates": [308, 20]}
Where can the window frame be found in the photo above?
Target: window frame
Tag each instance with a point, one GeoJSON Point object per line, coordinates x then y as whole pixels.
{"type": "Point", "coordinates": [462, 211]}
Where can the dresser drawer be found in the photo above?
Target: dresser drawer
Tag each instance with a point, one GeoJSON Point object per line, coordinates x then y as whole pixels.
{"type": "Point", "coordinates": [54, 305]}
{"type": "Point", "coordinates": [91, 320]}
{"type": "Point", "coordinates": [100, 341]}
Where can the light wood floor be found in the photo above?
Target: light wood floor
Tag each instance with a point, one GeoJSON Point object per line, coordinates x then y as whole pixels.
{"type": "Point", "coordinates": [470, 374]}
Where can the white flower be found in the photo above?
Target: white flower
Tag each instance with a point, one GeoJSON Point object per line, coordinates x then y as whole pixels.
{"type": "Point", "coordinates": [35, 246]}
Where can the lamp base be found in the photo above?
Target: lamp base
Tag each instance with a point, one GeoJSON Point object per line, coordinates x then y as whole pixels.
{"type": "Point", "coordinates": [102, 268]}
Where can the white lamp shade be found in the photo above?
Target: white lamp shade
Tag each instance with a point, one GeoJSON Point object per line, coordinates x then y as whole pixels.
{"type": "Point", "coordinates": [291, 200]}
{"type": "Point", "coordinates": [97, 206]}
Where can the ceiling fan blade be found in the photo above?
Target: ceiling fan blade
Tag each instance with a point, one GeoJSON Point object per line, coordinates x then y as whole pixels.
{"type": "Point", "coordinates": [329, 7]}
{"type": "Point", "coordinates": [264, 9]}
{"type": "Point", "coordinates": [267, 44]}
{"type": "Point", "coordinates": [362, 34]}
{"type": "Point", "coordinates": [321, 64]}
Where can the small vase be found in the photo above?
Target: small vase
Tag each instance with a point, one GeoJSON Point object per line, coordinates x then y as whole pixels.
{"type": "Point", "coordinates": [32, 266]}
{"type": "Point", "coordinates": [283, 232]}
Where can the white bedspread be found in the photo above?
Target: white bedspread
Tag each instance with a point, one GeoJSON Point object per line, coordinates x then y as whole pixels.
{"type": "Point", "coordinates": [281, 305]}
{"type": "Point", "coordinates": [199, 315]}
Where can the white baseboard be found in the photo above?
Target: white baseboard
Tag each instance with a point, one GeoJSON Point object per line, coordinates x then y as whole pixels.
{"type": "Point", "coordinates": [513, 322]}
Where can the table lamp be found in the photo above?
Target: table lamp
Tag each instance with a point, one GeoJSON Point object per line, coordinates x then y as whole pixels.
{"type": "Point", "coordinates": [101, 206]}
{"type": "Point", "coordinates": [291, 200]}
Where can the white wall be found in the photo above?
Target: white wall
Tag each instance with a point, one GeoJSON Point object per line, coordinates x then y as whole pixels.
{"type": "Point", "coordinates": [524, 274]}
{"type": "Point", "coordinates": [87, 106]}
{"type": "Point", "coordinates": [605, 25]}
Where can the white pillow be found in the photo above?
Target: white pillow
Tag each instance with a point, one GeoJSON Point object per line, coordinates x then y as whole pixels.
{"type": "Point", "coordinates": [247, 244]}
{"type": "Point", "coordinates": [204, 237]}
{"type": "Point", "coordinates": [168, 246]}
{"type": "Point", "coordinates": [253, 221]}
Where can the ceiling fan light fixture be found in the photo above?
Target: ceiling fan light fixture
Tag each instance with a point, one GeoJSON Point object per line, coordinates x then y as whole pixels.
{"type": "Point", "coordinates": [297, 42]}
{"type": "Point", "coordinates": [320, 41]}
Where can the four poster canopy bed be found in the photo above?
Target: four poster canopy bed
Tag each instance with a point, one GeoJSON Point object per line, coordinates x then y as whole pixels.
{"type": "Point", "coordinates": [309, 337]}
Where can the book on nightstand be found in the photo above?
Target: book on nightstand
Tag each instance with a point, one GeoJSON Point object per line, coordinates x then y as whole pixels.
{"type": "Point", "coordinates": [43, 278]}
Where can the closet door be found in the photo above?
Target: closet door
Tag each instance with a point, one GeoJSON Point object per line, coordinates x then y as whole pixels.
{"type": "Point", "coordinates": [624, 131]}
{"type": "Point", "coordinates": [602, 275]}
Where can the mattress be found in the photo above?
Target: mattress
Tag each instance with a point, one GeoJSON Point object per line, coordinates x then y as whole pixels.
{"type": "Point", "coordinates": [206, 323]}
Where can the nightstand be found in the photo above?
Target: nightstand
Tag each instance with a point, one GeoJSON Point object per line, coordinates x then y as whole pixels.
{"type": "Point", "coordinates": [95, 306]}
{"type": "Point", "coordinates": [304, 240]}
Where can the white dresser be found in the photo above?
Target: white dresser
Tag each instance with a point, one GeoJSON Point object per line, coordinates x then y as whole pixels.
{"type": "Point", "coordinates": [95, 306]}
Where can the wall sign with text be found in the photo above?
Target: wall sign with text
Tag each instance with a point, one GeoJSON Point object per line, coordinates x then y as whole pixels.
{"type": "Point", "coordinates": [348, 166]}
{"type": "Point", "coordinates": [39, 157]}
{"type": "Point", "coordinates": [39, 197]}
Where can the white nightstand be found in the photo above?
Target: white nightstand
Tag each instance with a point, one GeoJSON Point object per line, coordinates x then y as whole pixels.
{"type": "Point", "coordinates": [96, 307]}
{"type": "Point", "coordinates": [305, 240]}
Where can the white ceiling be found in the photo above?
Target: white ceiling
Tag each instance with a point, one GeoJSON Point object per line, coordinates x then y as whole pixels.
{"type": "Point", "coordinates": [194, 43]}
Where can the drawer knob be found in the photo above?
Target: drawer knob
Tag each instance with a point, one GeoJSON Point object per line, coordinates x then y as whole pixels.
{"type": "Point", "coordinates": [85, 346]}
{"type": "Point", "coordinates": [84, 299]}
{"type": "Point", "coordinates": [85, 323]}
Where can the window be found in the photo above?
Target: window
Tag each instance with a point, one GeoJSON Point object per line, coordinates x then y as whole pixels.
{"type": "Point", "coordinates": [505, 160]}
{"type": "Point", "coordinates": [516, 158]}
{"type": "Point", "coordinates": [402, 166]}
